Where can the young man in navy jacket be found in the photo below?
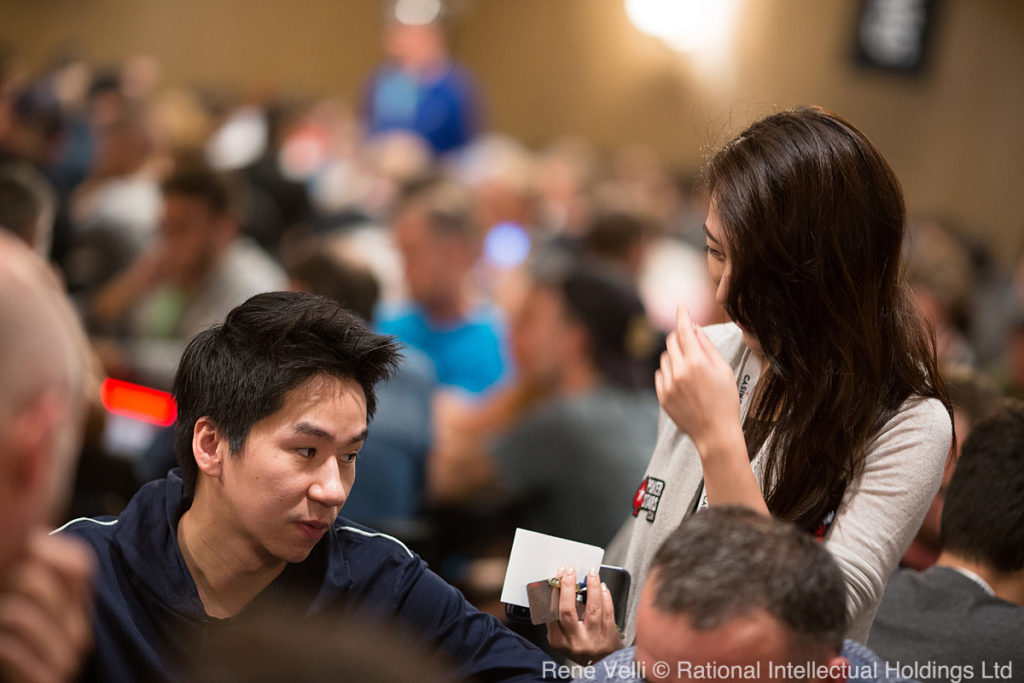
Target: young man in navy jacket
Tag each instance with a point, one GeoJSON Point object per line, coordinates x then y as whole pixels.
{"type": "Point", "coordinates": [273, 407]}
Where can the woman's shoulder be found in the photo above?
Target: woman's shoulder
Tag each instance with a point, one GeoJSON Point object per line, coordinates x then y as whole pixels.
{"type": "Point", "coordinates": [921, 421]}
{"type": "Point", "coordinates": [924, 410]}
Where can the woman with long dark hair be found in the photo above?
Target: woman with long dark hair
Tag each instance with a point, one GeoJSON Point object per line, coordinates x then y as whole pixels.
{"type": "Point", "coordinates": [821, 403]}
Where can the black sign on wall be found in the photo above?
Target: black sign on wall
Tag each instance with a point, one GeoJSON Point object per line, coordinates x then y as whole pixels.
{"type": "Point", "coordinates": [893, 35]}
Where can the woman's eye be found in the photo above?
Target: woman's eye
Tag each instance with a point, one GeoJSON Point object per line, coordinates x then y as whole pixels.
{"type": "Point", "coordinates": [711, 251]}
{"type": "Point", "coordinates": [306, 452]}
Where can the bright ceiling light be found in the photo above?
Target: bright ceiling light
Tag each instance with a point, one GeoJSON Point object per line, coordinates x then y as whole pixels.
{"type": "Point", "coordinates": [684, 25]}
{"type": "Point", "coordinates": [417, 12]}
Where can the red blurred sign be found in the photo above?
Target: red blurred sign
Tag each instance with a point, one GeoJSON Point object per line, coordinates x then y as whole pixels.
{"type": "Point", "coordinates": [138, 402]}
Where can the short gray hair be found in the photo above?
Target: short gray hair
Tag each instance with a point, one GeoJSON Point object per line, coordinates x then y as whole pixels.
{"type": "Point", "coordinates": [727, 562]}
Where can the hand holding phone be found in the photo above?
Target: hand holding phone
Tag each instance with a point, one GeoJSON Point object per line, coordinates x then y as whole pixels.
{"type": "Point", "coordinates": [595, 634]}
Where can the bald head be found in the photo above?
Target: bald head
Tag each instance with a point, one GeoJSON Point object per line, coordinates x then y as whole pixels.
{"type": "Point", "coordinates": [40, 338]}
{"type": "Point", "coordinates": [42, 372]}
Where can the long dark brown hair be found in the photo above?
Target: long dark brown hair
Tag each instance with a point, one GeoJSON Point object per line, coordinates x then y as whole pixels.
{"type": "Point", "coordinates": [814, 220]}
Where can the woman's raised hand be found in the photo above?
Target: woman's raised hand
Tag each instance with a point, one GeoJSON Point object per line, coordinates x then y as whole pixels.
{"type": "Point", "coordinates": [696, 387]}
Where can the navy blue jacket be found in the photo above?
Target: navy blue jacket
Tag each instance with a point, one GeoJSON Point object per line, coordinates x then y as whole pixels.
{"type": "Point", "coordinates": [149, 617]}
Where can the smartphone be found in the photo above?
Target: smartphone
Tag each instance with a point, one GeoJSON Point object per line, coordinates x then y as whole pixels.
{"type": "Point", "coordinates": [616, 578]}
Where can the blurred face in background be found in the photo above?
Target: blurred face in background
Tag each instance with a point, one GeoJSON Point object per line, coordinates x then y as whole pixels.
{"type": "Point", "coordinates": [122, 147]}
{"type": "Point", "coordinates": [435, 263]}
{"type": "Point", "coordinates": [194, 237]}
{"type": "Point", "coordinates": [414, 47]}
{"type": "Point", "coordinates": [542, 336]}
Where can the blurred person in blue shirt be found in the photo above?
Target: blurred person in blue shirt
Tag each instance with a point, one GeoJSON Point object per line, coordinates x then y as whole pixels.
{"type": "Point", "coordinates": [438, 239]}
{"type": "Point", "coordinates": [420, 89]}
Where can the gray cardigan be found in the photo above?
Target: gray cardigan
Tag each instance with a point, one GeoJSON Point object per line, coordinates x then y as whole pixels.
{"type": "Point", "coordinates": [880, 513]}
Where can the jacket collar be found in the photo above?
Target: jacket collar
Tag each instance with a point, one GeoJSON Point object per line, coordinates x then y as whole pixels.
{"type": "Point", "coordinates": [146, 537]}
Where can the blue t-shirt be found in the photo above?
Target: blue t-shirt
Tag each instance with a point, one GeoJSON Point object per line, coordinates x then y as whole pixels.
{"type": "Point", "coordinates": [443, 111]}
{"type": "Point", "coordinates": [469, 354]}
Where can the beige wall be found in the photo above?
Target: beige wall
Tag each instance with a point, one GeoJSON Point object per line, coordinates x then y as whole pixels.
{"type": "Point", "coordinates": [578, 66]}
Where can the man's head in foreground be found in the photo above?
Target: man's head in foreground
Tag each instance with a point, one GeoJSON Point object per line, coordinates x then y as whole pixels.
{"type": "Point", "coordinates": [45, 581]}
{"type": "Point", "coordinates": [273, 407]}
{"type": "Point", "coordinates": [42, 370]}
{"type": "Point", "coordinates": [734, 588]}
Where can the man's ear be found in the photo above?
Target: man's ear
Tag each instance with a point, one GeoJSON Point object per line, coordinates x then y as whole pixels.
{"type": "Point", "coordinates": [209, 447]}
{"type": "Point", "coordinates": [838, 668]}
{"type": "Point", "coordinates": [30, 449]}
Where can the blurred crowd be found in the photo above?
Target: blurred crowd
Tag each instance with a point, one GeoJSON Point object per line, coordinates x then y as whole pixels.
{"type": "Point", "coordinates": [532, 286]}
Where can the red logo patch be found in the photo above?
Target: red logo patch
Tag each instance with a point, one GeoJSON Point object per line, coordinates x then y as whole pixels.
{"type": "Point", "coordinates": [647, 497]}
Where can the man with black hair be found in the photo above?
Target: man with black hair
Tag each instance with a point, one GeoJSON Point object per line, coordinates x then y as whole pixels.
{"type": "Point", "coordinates": [735, 595]}
{"type": "Point", "coordinates": [967, 611]}
{"type": "Point", "coordinates": [273, 408]}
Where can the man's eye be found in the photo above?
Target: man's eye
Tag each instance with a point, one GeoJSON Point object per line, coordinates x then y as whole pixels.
{"type": "Point", "coordinates": [349, 457]}
{"type": "Point", "coordinates": [306, 452]}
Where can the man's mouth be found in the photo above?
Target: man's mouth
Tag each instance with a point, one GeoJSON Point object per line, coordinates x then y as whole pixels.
{"type": "Point", "coordinates": [313, 528]}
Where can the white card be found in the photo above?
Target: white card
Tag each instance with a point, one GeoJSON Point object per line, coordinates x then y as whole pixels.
{"type": "Point", "coordinates": [536, 557]}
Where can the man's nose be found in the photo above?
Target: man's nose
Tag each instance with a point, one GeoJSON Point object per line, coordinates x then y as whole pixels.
{"type": "Point", "coordinates": [329, 486]}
